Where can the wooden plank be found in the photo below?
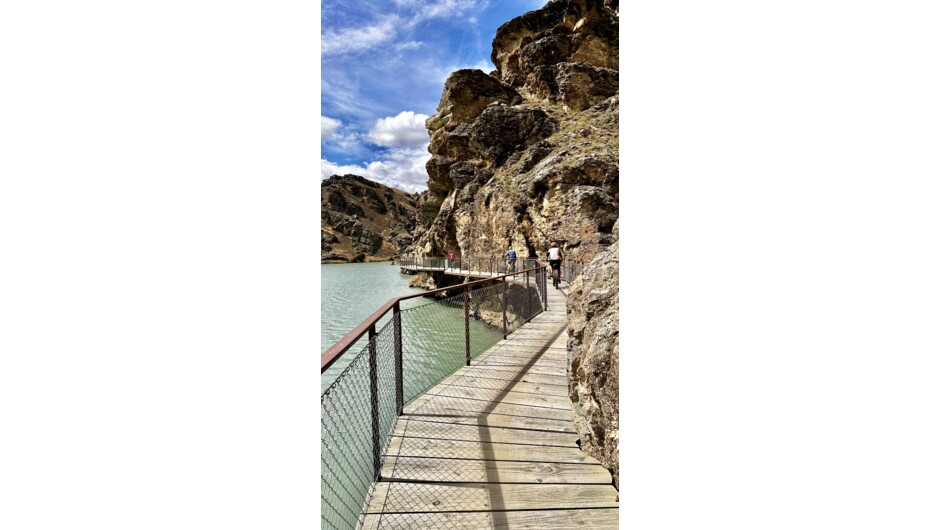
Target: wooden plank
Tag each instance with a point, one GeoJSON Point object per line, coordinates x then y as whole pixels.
{"type": "Point", "coordinates": [454, 470]}
{"type": "Point", "coordinates": [523, 361]}
{"type": "Point", "coordinates": [431, 448]}
{"type": "Point", "coordinates": [539, 340]}
{"type": "Point", "coordinates": [408, 426]}
{"type": "Point", "coordinates": [601, 518]}
{"type": "Point", "coordinates": [526, 347]}
{"type": "Point", "coordinates": [414, 497]}
{"type": "Point", "coordinates": [541, 389]}
{"type": "Point", "coordinates": [535, 425]}
{"type": "Point", "coordinates": [526, 356]}
{"type": "Point", "coordinates": [561, 402]}
{"type": "Point", "coordinates": [523, 347]}
{"type": "Point", "coordinates": [529, 362]}
{"type": "Point", "coordinates": [474, 380]}
{"type": "Point", "coordinates": [471, 374]}
{"type": "Point", "coordinates": [440, 405]}
{"type": "Point", "coordinates": [522, 368]}
{"type": "Point", "coordinates": [502, 374]}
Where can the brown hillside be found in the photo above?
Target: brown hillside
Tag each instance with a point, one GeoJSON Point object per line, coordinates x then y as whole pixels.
{"type": "Point", "coordinates": [363, 220]}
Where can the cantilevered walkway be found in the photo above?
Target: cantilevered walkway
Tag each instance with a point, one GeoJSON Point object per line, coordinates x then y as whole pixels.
{"type": "Point", "coordinates": [494, 445]}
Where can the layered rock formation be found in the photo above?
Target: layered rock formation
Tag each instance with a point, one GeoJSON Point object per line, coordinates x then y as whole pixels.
{"type": "Point", "coordinates": [363, 220]}
{"type": "Point", "coordinates": [594, 366]}
{"type": "Point", "coordinates": [528, 154]}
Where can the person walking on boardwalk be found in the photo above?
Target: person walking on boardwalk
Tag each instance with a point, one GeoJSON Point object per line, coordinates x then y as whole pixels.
{"type": "Point", "coordinates": [450, 259]}
{"type": "Point", "coordinates": [554, 259]}
{"type": "Point", "coordinates": [512, 259]}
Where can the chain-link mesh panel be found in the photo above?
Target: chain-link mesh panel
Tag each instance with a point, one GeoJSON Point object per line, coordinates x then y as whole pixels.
{"type": "Point", "coordinates": [435, 334]}
{"type": "Point", "coordinates": [361, 406]}
{"type": "Point", "coordinates": [480, 265]}
{"type": "Point", "coordinates": [570, 270]}
{"type": "Point", "coordinates": [358, 414]}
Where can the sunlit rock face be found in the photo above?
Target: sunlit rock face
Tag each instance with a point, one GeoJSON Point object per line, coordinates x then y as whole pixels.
{"type": "Point", "coordinates": [593, 357]}
{"type": "Point", "coordinates": [528, 154]}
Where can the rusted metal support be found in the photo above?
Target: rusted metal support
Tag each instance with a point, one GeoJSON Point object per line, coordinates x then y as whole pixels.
{"type": "Point", "coordinates": [399, 379]}
{"type": "Point", "coordinates": [466, 319]}
{"type": "Point", "coordinates": [505, 299]}
{"type": "Point", "coordinates": [374, 387]}
{"type": "Point", "coordinates": [545, 288]}
{"type": "Point", "coordinates": [528, 298]}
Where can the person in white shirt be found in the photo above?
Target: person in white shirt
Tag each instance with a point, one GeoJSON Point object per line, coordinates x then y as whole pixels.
{"type": "Point", "coordinates": [554, 259]}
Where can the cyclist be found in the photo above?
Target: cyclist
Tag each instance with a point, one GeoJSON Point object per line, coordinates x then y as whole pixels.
{"type": "Point", "coordinates": [512, 259]}
{"type": "Point", "coordinates": [554, 259]}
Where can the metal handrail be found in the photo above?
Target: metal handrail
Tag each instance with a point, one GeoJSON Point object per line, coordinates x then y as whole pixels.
{"type": "Point", "coordinates": [570, 269]}
{"type": "Point", "coordinates": [370, 392]}
{"type": "Point", "coordinates": [333, 354]}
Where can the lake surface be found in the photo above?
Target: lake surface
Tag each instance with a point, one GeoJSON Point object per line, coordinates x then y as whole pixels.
{"type": "Point", "coordinates": [349, 294]}
{"type": "Point", "coordinates": [352, 292]}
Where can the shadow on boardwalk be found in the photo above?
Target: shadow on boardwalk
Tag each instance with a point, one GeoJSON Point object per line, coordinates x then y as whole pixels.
{"type": "Point", "coordinates": [494, 445]}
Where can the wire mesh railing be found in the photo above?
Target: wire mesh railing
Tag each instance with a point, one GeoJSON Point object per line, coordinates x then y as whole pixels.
{"type": "Point", "coordinates": [570, 270]}
{"type": "Point", "coordinates": [484, 265]}
{"type": "Point", "coordinates": [415, 350]}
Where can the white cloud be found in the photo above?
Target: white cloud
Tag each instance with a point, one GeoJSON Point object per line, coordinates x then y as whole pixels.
{"type": "Point", "coordinates": [406, 130]}
{"type": "Point", "coordinates": [328, 127]}
{"type": "Point", "coordinates": [333, 131]}
{"type": "Point", "coordinates": [357, 39]}
{"type": "Point", "coordinates": [402, 169]}
{"type": "Point", "coordinates": [410, 45]}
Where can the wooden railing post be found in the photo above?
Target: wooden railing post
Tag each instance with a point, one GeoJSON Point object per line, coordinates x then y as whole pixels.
{"type": "Point", "coordinates": [374, 387]}
{"type": "Point", "coordinates": [466, 319]}
{"type": "Point", "coordinates": [399, 379]}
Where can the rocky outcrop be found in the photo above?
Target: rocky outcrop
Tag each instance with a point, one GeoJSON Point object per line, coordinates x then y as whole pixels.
{"type": "Point", "coordinates": [528, 154]}
{"type": "Point", "coordinates": [593, 357]}
{"type": "Point", "coordinates": [363, 220]}
{"type": "Point", "coordinates": [540, 50]}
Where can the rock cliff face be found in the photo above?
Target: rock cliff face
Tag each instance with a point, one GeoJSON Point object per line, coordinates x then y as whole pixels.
{"type": "Point", "coordinates": [593, 357]}
{"type": "Point", "coordinates": [364, 220]}
{"type": "Point", "coordinates": [528, 154]}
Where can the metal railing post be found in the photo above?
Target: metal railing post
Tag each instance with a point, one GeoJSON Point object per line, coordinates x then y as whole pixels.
{"type": "Point", "coordinates": [399, 379]}
{"type": "Point", "coordinates": [466, 319]}
{"type": "Point", "coordinates": [545, 288]}
{"type": "Point", "coordinates": [528, 298]}
{"type": "Point", "coordinates": [505, 298]}
{"type": "Point", "coordinates": [374, 387]}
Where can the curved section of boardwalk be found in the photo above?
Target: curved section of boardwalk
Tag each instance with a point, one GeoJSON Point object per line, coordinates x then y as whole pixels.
{"type": "Point", "coordinates": [494, 445]}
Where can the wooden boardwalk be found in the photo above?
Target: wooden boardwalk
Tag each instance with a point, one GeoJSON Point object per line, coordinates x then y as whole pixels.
{"type": "Point", "coordinates": [494, 445]}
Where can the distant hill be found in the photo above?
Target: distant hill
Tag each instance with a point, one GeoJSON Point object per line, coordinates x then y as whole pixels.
{"type": "Point", "coordinates": [364, 220]}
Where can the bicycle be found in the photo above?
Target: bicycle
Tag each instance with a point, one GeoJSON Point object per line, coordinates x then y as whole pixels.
{"type": "Point", "coordinates": [556, 277]}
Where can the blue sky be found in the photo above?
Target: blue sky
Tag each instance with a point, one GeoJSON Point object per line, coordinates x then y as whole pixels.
{"type": "Point", "coordinates": [383, 67]}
